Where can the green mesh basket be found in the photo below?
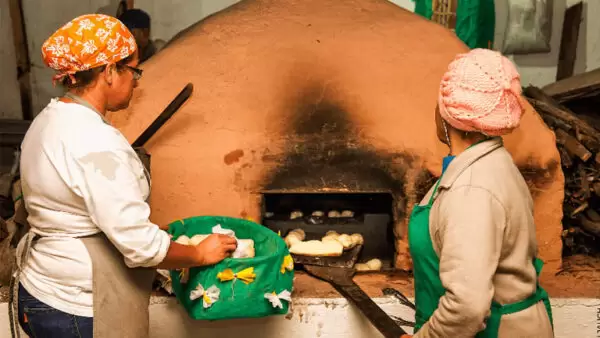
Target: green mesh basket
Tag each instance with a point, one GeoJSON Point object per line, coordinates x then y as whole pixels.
{"type": "Point", "coordinates": [237, 298]}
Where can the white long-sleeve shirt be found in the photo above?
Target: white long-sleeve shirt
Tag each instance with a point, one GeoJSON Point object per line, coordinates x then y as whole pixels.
{"type": "Point", "coordinates": [80, 177]}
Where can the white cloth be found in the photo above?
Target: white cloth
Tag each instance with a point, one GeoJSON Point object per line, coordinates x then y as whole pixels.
{"type": "Point", "coordinates": [80, 176]}
{"type": "Point", "coordinates": [241, 250]}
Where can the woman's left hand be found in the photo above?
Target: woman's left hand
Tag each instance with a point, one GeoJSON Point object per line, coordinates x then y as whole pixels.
{"type": "Point", "coordinates": [406, 336]}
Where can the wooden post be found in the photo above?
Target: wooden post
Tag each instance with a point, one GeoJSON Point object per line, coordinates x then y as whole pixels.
{"type": "Point", "coordinates": [452, 19]}
{"type": "Point", "coordinates": [22, 55]}
{"type": "Point", "coordinates": [444, 12]}
{"type": "Point", "coordinates": [568, 44]}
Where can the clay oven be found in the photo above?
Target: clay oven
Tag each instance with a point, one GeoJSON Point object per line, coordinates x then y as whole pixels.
{"type": "Point", "coordinates": [317, 105]}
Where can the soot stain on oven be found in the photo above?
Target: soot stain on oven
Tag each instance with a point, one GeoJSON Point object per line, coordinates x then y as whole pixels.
{"type": "Point", "coordinates": [538, 177]}
{"type": "Point", "coordinates": [325, 152]}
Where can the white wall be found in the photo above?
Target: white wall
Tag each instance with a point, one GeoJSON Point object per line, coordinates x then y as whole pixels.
{"type": "Point", "coordinates": [327, 318]}
{"type": "Point", "coordinates": [407, 4]}
{"type": "Point", "coordinates": [42, 18]}
{"type": "Point", "coordinates": [169, 17]}
{"type": "Point", "coordinates": [10, 98]}
{"type": "Point", "coordinates": [540, 69]}
{"type": "Point", "coordinates": [537, 69]}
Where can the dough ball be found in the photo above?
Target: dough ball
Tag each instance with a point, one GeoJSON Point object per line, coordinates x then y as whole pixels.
{"type": "Point", "coordinates": [183, 239]}
{"type": "Point", "coordinates": [357, 239]}
{"type": "Point", "coordinates": [333, 214]}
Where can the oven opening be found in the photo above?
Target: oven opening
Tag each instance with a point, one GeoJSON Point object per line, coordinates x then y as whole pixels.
{"type": "Point", "coordinates": [369, 214]}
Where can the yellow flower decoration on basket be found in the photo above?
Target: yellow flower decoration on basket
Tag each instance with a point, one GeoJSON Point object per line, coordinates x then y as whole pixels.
{"type": "Point", "coordinates": [247, 275]}
{"type": "Point", "coordinates": [288, 264]}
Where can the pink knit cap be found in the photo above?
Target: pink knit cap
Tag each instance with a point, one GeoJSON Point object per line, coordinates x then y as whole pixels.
{"type": "Point", "coordinates": [480, 92]}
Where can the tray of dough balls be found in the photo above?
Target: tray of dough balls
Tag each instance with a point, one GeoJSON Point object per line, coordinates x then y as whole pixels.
{"type": "Point", "coordinates": [333, 249]}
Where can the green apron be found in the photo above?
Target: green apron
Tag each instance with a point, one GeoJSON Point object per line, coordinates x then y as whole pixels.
{"type": "Point", "coordinates": [428, 286]}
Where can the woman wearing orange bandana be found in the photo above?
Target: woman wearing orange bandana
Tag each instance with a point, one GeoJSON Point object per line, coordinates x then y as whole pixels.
{"type": "Point", "coordinates": [86, 266]}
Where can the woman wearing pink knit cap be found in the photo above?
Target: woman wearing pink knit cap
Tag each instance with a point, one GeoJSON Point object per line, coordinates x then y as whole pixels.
{"type": "Point", "coordinates": [472, 238]}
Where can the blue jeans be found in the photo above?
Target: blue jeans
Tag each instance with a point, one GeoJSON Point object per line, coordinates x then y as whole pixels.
{"type": "Point", "coordinates": [40, 320]}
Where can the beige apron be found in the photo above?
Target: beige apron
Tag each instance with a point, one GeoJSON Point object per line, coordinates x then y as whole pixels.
{"type": "Point", "coordinates": [121, 295]}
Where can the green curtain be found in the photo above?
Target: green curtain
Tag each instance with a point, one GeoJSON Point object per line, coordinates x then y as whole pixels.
{"type": "Point", "coordinates": [475, 20]}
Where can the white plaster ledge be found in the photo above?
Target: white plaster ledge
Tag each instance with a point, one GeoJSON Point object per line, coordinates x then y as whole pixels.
{"type": "Point", "coordinates": [328, 318]}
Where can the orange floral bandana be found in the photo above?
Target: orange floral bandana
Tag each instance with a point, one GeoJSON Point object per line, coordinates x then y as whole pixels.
{"type": "Point", "coordinates": [87, 42]}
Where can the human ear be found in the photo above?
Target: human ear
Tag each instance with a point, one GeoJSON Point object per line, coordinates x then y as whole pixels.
{"type": "Point", "coordinates": [108, 73]}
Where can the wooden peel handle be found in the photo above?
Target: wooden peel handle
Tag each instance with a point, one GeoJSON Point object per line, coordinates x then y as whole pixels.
{"type": "Point", "coordinates": [381, 320]}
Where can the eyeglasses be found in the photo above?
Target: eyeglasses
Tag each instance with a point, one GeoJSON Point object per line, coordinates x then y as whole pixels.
{"type": "Point", "coordinates": [137, 73]}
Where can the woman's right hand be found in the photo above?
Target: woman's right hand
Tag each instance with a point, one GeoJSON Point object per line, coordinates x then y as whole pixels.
{"type": "Point", "coordinates": [210, 251]}
{"type": "Point", "coordinates": [215, 248]}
